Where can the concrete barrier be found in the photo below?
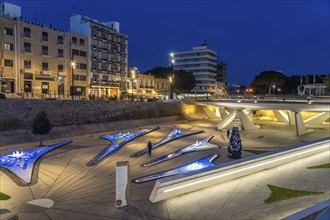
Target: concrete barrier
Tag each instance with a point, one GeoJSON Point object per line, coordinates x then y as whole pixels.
{"type": "Point", "coordinates": [185, 183]}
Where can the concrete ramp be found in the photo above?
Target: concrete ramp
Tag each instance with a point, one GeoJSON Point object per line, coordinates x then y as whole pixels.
{"type": "Point", "coordinates": [174, 186]}
{"type": "Point", "coordinates": [209, 112]}
{"type": "Point", "coordinates": [226, 121]}
{"type": "Point", "coordinates": [281, 116]}
{"type": "Point", "coordinates": [317, 119]}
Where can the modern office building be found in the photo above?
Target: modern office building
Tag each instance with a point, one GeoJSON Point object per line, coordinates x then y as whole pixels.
{"type": "Point", "coordinates": [202, 62]}
{"type": "Point", "coordinates": [36, 60]}
{"type": "Point", "coordinates": [108, 55]}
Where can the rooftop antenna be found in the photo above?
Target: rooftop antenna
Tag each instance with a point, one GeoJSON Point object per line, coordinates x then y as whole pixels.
{"type": "Point", "coordinates": [205, 43]}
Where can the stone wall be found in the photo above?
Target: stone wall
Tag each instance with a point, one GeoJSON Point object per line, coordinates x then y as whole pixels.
{"type": "Point", "coordinates": [18, 113]}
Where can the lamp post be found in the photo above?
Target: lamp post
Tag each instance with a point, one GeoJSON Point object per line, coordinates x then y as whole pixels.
{"type": "Point", "coordinates": [73, 66]}
{"type": "Point", "coordinates": [171, 77]}
{"type": "Point", "coordinates": [171, 96]}
{"type": "Point", "coordinates": [133, 77]}
{"type": "Point", "coordinates": [273, 89]}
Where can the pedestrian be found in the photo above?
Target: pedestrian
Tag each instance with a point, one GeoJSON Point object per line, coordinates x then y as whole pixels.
{"type": "Point", "coordinates": [228, 133]}
{"type": "Point", "coordinates": [149, 147]}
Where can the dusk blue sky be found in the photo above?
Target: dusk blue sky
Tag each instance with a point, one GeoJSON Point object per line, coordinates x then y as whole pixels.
{"type": "Point", "coordinates": [250, 36]}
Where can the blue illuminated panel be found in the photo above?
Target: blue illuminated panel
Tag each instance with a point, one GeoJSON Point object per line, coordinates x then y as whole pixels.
{"type": "Point", "coordinates": [202, 144]}
{"type": "Point", "coordinates": [123, 138]}
{"type": "Point", "coordinates": [173, 135]}
{"type": "Point", "coordinates": [21, 163]}
{"type": "Point", "coordinates": [196, 165]}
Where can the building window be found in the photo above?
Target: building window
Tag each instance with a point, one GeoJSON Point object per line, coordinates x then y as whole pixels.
{"type": "Point", "coordinates": [75, 52]}
{"type": "Point", "coordinates": [44, 36]}
{"type": "Point", "coordinates": [83, 78]}
{"type": "Point", "coordinates": [45, 50]}
{"type": "Point", "coordinates": [8, 31]}
{"type": "Point", "coordinates": [82, 66]}
{"type": "Point", "coordinates": [27, 64]}
{"type": "Point", "coordinates": [83, 53]}
{"type": "Point", "coordinates": [9, 63]}
{"type": "Point", "coordinates": [76, 77]}
{"type": "Point", "coordinates": [45, 66]}
{"type": "Point", "coordinates": [27, 47]}
{"type": "Point", "coordinates": [82, 42]}
{"type": "Point", "coordinates": [60, 40]}
{"type": "Point", "coordinates": [60, 68]}
{"type": "Point", "coordinates": [60, 53]}
{"type": "Point", "coordinates": [9, 47]}
{"type": "Point", "coordinates": [74, 40]}
{"type": "Point", "coordinates": [27, 32]}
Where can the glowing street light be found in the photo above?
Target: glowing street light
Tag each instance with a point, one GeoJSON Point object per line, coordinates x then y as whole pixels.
{"type": "Point", "coordinates": [73, 66]}
{"type": "Point", "coordinates": [133, 77]}
{"type": "Point", "coordinates": [170, 79]}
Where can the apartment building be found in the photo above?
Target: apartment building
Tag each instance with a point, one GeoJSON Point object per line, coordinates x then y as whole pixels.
{"type": "Point", "coordinates": [108, 55]}
{"type": "Point", "coordinates": [202, 62]}
{"type": "Point", "coordinates": [36, 60]}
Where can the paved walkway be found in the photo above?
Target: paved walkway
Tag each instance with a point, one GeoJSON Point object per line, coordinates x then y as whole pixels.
{"type": "Point", "coordinates": [83, 192]}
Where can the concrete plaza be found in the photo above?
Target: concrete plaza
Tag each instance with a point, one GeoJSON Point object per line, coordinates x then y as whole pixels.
{"type": "Point", "coordinates": [88, 192]}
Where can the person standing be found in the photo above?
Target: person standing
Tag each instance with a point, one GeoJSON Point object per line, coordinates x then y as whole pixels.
{"type": "Point", "coordinates": [149, 147]}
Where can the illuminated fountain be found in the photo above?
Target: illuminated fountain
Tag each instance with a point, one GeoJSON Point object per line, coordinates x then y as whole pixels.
{"type": "Point", "coordinates": [118, 141]}
{"type": "Point", "coordinates": [196, 165]}
{"type": "Point", "coordinates": [199, 145]}
{"type": "Point", "coordinates": [22, 163]}
{"type": "Point", "coordinates": [173, 135]}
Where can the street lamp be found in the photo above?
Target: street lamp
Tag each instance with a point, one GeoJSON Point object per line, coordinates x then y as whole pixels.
{"type": "Point", "coordinates": [133, 77]}
{"type": "Point", "coordinates": [171, 77]}
{"type": "Point", "coordinates": [273, 89]}
{"type": "Point", "coordinates": [73, 66]}
{"type": "Point", "coordinates": [171, 96]}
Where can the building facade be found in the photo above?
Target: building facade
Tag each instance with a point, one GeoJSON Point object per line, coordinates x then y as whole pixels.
{"type": "Point", "coordinates": [221, 78]}
{"type": "Point", "coordinates": [202, 62]}
{"type": "Point", "coordinates": [147, 85]}
{"type": "Point", "coordinates": [108, 55]}
{"type": "Point", "coordinates": [36, 60]}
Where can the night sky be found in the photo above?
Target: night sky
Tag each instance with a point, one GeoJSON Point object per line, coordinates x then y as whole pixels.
{"type": "Point", "coordinates": [250, 36]}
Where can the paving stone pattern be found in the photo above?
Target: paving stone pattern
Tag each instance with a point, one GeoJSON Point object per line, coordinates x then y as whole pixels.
{"type": "Point", "coordinates": [84, 192]}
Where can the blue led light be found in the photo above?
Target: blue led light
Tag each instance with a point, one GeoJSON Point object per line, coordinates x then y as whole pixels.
{"type": "Point", "coordinates": [196, 165]}
{"type": "Point", "coordinates": [123, 138]}
{"type": "Point", "coordinates": [199, 145]}
{"type": "Point", "coordinates": [173, 135]}
{"type": "Point", "coordinates": [21, 163]}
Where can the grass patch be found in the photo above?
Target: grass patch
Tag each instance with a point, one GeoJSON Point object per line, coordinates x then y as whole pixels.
{"type": "Point", "coordinates": [279, 194]}
{"type": "Point", "coordinates": [322, 166]}
{"type": "Point", "coordinates": [4, 196]}
{"type": "Point", "coordinates": [256, 151]}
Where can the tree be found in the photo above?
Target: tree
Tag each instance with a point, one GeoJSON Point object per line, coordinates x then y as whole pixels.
{"type": "Point", "coordinates": [263, 82]}
{"type": "Point", "coordinates": [41, 125]}
{"type": "Point", "coordinates": [327, 82]}
{"type": "Point", "coordinates": [183, 81]}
